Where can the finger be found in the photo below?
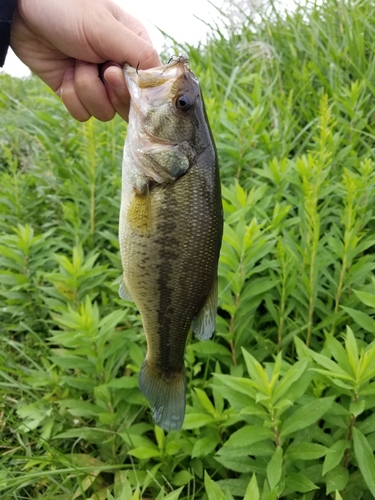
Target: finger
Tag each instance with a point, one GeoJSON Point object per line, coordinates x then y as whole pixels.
{"type": "Point", "coordinates": [92, 92]}
{"type": "Point", "coordinates": [117, 42]}
{"type": "Point", "coordinates": [133, 24]}
{"type": "Point", "coordinates": [117, 90]}
{"type": "Point", "coordinates": [70, 98]}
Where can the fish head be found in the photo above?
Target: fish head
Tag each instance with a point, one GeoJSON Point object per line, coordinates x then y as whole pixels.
{"type": "Point", "coordinates": [166, 105]}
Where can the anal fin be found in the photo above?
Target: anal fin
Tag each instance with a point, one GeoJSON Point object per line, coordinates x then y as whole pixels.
{"type": "Point", "coordinates": [205, 321]}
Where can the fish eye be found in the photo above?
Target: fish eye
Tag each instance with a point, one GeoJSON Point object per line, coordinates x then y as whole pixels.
{"type": "Point", "coordinates": [184, 102]}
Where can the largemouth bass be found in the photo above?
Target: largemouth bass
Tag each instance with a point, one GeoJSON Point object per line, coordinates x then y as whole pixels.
{"type": "Point", "coordinates": [170, 226]}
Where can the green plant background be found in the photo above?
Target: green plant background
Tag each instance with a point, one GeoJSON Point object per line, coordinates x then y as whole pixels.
{"type": "Point", "coordinates": [280, 404]}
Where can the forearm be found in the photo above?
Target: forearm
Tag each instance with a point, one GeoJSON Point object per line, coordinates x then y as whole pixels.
{"type": "Point", "coordinates": [7, 8]}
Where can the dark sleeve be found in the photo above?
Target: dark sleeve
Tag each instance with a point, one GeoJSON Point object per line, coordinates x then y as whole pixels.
{"type": "Point", "coordinates": [6, 13]}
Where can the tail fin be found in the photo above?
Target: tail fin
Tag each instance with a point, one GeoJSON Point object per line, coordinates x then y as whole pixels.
{"type": "Point", "coordinates": [166, 395]}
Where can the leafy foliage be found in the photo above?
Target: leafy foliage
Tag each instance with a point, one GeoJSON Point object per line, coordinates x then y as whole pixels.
{"type": "Point", "coordinates": [281, 402]}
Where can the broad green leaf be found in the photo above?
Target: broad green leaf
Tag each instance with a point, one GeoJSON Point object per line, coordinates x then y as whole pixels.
{"type": "Point", "coordinates": [365, 458]}
{"type": "Point", "coordinates": [197, 420]}
{"type": "Point", "coordinates": [357, 407]}
{"type": "Point", "coordinates": [366, 298]}
{"type": "Point", "coordinates": [204, 446]}
{"type": "Point", "coordinates": [305, 451]}
{"type": "Point", "coordinates": [337, 479]}
{"type": "Point", "coordinates": [182, 477]}
{"type": "Point", "coordinates": [362, 319]}
{"type": "Point", "coordinates": [367, 425]}
{"type": "Point", "coordinates": [334, 455]}
{"type": "Point", "coordinates": [300, 483]}
{"type": "Point", "coordinates": [248, 435]}
{"type": "Point", "coordinates": [252, 490]}
{"type": "Point", "coordinates": [274, 468]}
{"type": "Point", "coordinates": [240, 463]}
{"type": "Point", "coordinates": [212, 489]}
{"type": "Point", "coordinates": [210, 349]}
{"type": "Point", "coordinates": [305, 416]}
{"type": "Point", "coordinates": [335, 369]}
{"type": "Point", "coordinates": [172, 447]}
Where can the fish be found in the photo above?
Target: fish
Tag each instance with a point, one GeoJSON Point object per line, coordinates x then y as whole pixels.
{"type": "Point", "coordinates": [170, 227]}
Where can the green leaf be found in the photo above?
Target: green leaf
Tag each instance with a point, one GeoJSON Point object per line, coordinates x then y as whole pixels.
{"type": "Point", "coordinates": [160, 437]}
{"type": "Point", "coordinates": [337, 479]}
{"type": "Point", "coordinates": [212, 489]}
{"type": "Point", "coordinates": [305, 451]}
{"type": "Point", "coordinates": [362, 319]}
{"type": "Point", "coordinates": [337, 350]}
{"type": "Point", "coordinates": [351, 349]}
{"type": "Point", "coordinates": [252, 490]}
{"type": "Point", "coordinates": [240, 463]}
{"type": "Point", "coordinates": [197, 420]}
{"type": "Point", "coordinates": [256, 372]}
{"type": "Point", "coordinates": [299, 482]}
{"type": "Point", "coordinates": [365, 459]}
{"type": "Point", "coordinates": [366, 298]}
{"type": "Point", "coordinates": [305, 416]}
{"type": "Point", "coordinates": [205, 402]}
{"type": "Point", "coordinates": [204, 446]}
{"type": "Point", "coordinates": [248, 435]}
{"type": "Point", "coordinates": [210, 349]}
{"type": "Point", "coordinates": [88, 433]}
{"type": "Point", "coordinates": [284, 387]}
{"type": "Point", "coordinates": [123, 383]}
{"type": "Point", "coordinates": [174, 495]}
{"type": "Point", "coordinates": [181, 478]}
{"type": "Point", "coordinates": [367, 425]}
{"type": "Point", "coordinates": [274, 468]}
{"type": "Point", "coordinates": [335, 369]}
{"type": "Point", "coordinates": [242, 385]}
{"type": "Point", "coordinates": [357, 407]}
{"type": "Point", "coordinates": [334, 455]}
{"type": "Point", "coordinates": [144, 452]}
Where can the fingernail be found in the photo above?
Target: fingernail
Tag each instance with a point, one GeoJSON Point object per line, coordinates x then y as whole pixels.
{"type": "Point", "coordinates": [69, 73]}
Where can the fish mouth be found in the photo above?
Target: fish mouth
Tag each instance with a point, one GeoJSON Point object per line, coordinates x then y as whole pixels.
{"type": "Point", "coordinates": [155, 85]}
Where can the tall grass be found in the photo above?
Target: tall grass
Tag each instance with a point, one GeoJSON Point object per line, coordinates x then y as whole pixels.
{"type": "Point", "coordinates": [280, 402]}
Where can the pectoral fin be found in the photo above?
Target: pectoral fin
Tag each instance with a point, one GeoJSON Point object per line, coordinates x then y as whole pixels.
{"type": "Point", "coordinates": [124, 292]}
{"type": "Point", "coordinates": [204, 323]}
{"type": "Point", "coordinates": [165, 164]}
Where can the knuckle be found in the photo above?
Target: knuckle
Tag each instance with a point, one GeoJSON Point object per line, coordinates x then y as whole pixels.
{"type": "Point", "coordinates": [148, 56]}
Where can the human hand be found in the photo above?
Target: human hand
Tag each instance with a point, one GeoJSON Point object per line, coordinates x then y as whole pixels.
{"type": "Point", "coordinates": [65, 42]}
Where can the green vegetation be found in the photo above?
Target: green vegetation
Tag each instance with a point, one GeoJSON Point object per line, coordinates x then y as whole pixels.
{"type": "Point", "coordinates": [281, 401]}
